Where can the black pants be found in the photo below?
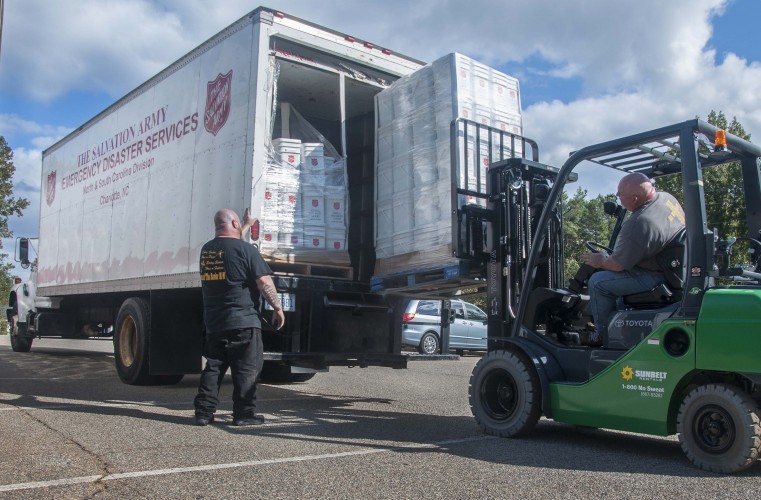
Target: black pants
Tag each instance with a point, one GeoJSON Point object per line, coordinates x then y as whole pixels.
{"type": "Point", "coordinates": [242, 351]}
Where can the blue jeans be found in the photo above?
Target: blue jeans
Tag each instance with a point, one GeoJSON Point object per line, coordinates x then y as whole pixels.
{"type": "Point", "coordinates": [242, 351]}
{"type": "Point", "coordinates": [605, 288]}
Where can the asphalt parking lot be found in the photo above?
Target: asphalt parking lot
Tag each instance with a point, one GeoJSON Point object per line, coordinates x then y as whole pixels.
{"type": "Point", "coordinates": [71, 429]}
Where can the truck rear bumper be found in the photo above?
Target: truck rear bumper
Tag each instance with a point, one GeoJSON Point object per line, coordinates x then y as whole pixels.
{"type": "Point", "coordinates": [321, 361]}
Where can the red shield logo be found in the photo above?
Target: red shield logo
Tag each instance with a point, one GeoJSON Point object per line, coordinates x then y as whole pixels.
{"type": "Point", "coordinates": [217, 102]}
{"type": "Point", "coordinates": [50, 192]}
{"type": "Point", "coordinates": [291, 199]}
{"type": "Point", "coordinates": [337, 205]}
{"type": "Point", "coordinates": [315, 203]}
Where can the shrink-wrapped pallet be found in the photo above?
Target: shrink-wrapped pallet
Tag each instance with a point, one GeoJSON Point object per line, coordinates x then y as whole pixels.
{"type": "Point", "coordinates": [414, 174]}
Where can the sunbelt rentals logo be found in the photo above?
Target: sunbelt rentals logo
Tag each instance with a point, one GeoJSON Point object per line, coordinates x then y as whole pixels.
{"type": "Point", "coordinates": [628, 373]}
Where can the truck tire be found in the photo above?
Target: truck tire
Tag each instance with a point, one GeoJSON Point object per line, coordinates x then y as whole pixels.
{"type": "Point", "coordinates": [505, 394]}
{"type": "Point", "coordinates": [279, 373]}
{"type": "Point", "coordinates": [20, 342]}
{"type": "Point", "coordinates": [429, 344]}
{"type": "Point", "coordinates": [719, 428]}
{"type": "Point", "coordinates": [132, 345]}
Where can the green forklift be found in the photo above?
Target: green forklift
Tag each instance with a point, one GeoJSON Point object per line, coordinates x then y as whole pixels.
{"type": "Point", "coordinates": [683, 358]}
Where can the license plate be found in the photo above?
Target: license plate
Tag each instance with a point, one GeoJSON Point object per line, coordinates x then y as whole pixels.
{"type": "Point", "coordinates": [287, 300]}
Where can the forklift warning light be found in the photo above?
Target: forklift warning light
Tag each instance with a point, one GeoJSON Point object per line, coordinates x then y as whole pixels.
{"type": "Point", "coordinates": [720, 142]}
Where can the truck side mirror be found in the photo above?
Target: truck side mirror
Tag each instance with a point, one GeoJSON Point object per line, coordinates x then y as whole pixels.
{"type": "Point", "coordinates": [23, 252]}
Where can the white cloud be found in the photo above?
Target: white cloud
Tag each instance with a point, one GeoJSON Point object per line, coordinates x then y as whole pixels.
{"type": "Point", "coordinates": [28, 165]}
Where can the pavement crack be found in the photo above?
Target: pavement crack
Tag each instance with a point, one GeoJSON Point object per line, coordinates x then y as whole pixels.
{"type": "Point", "coordinates": [103, 466]}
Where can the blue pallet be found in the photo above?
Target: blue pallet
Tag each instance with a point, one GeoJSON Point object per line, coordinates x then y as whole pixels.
{"type": "Point", "coordinates": [427, 277]}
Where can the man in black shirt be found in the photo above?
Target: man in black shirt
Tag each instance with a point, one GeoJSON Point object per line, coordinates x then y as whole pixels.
{"type": "Point", "coordinates": [234, 279]}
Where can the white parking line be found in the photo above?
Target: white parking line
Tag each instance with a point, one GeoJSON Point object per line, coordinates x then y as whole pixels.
{"type": "Point", "coordinates": [231, 465]}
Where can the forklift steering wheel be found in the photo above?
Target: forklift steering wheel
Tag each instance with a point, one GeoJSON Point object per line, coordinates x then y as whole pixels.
{"type": "Point", "coordinates": [595, 247]}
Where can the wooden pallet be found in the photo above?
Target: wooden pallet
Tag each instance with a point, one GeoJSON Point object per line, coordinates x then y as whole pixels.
{"type": "Point", "coordinates": [298, 266]}
{"type": "Point", "coordinates": [415, 260]}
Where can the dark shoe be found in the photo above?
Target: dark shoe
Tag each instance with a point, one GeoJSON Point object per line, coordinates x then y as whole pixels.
{"type": "Point", "coordinates": [252, 420]}
{"type": "Point", "coordinates": [203, 421]}
{"type": "Point", "coordinates": [590, 338]}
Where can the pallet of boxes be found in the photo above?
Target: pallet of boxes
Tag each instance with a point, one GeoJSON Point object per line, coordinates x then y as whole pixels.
{"type": "Point", "coordinates": [303, 218]}
{"type": "Point", "coordinates": [416, 176]}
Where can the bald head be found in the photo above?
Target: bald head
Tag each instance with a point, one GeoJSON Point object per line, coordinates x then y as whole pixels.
{"type": "Point", "coordinates": [226, 224]}
{"type": "Point", "coordinates": [635, 190]}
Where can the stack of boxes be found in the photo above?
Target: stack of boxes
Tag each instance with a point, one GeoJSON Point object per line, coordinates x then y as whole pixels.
{"type": "Point", "coordinates": [304, 206]}
{"type": "Point", "coordinates": [414, 181]}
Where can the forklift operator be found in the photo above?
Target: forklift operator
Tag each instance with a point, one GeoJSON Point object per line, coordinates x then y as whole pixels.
{"type": "Point", "coordinates": [656, 218]}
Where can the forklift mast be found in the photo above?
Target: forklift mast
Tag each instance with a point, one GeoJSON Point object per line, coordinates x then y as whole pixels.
{"type": "Point", "coordinates": [519, 189]}
{"type": "Point", "coordinates": [495, 230]}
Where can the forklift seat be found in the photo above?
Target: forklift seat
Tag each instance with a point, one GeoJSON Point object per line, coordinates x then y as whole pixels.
{"type": "Point", "coordinates": [672, 261]}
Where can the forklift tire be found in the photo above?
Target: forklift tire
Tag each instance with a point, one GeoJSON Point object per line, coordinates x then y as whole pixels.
{"type": "Point", "coordinates": [505, 394]}
{"type": "Point", "coordinates": [719, 428]}
{"type": "Point", "coordinates": [429, 344]}
{"type": "Point", "coordinates": [131, 345]}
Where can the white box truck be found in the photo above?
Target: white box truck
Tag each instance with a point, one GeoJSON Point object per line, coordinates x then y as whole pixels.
{"type": "Point", "coordinates": [273, 113]}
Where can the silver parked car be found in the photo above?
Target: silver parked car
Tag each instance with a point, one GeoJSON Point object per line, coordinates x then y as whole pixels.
{"type": "Point", "coordinates": [421, 326]}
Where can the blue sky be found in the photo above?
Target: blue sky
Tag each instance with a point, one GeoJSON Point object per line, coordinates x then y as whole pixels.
{"type": "Point", "coordinates": [590, 70]}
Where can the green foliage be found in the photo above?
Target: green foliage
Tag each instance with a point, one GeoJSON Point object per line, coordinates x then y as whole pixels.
{"type": "Point", "coordinates": [9, 207]}
{"type": "Point", "coordinates": [583, 220]}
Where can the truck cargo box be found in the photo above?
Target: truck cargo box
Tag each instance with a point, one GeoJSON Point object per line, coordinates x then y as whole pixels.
{"type": "Point", "coordinates": [130, 195]}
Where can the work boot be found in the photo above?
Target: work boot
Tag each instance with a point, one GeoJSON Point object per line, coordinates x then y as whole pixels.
{"type": "Point", "coordinates": [203, 420]}
{"type": "Point", "coordinates": [246, 421]}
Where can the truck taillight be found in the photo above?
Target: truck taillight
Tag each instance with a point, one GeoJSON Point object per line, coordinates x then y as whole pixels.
{"type": "Point", "coordinates": [407, 317]}
{"type": "Point", "coordinates": [255, 231]}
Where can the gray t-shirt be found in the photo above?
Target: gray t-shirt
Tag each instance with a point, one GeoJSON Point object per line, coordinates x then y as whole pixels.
{"type": "Point", "coordinates": [647, 231]}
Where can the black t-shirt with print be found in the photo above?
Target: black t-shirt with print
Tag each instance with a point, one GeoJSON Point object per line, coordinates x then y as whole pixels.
{"type": "Point", "coordinates": [231, 299]}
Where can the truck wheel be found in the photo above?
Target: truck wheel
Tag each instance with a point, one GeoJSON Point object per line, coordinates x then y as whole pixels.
{"type": "Point", "coordinates": [278, 373]}
{"type": "Point", "coordinates": [505, 394]}
{"type": "Point", "coordinates": [429, 344]}
{"type": "Point", "coordinates": [20, 343]}
{"type": "Point", "coordinates": [719, 428]}
{"type": "Point", "coordinates": [131, 345]}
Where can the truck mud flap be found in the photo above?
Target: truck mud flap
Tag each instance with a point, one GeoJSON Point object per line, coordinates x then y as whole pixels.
{"type": "Point", "coordinates": [176, 332]}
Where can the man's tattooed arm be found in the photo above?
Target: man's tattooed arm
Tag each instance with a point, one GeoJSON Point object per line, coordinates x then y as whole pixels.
{"type": "Point", "coordinates": [269, 292]}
